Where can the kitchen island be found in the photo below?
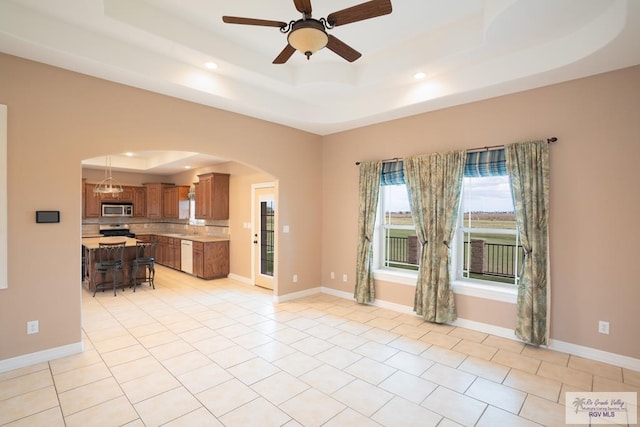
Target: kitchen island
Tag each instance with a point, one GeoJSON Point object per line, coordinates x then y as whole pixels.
{"type": "Point", "coordinates": [89, 256]}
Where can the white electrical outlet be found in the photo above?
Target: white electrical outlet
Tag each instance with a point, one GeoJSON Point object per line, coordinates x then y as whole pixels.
{"type": "Point", "coordinates": [32, 327]}
{"type": "Point", "coordinates": [603, 327]}
{"type": "Point", "coordinates": [295, 278]}
{"type": "Point", "coordinates": [333, 275]}
{"type": "Point", "coordinates": [344, 278]}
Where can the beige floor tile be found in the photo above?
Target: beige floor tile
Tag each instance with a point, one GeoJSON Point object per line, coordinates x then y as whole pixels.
{"type": "Point", "coordinates": [25, 383]}
{"type": "Point", "coordinates": [409, 331]}
{"type": "Point", "coordinates": [311, 345]}
{"type": "Point", "coordinates": [198, 334]}
{"type": "Point", "coordinates": [379, 335]}
{"type": "Point", "coordinates": [27, 404]}
{"type": "Point", "coordinates": [384, 323]}
{"type": "Point", "coordinates": [485, 369]}
{"type": "Point", "coordinates": [23, 371]}
{"type": "Point", "coordinates": [362, 397]}
{"type": "Point", "coordinates": [257, 412]}
{"type": "Point", "coordinates": [158, 338]}
{"type": "Point", "coordinates": [231, 356]}
{"type": "Point", "coordinates": [348, 340]}
{"type": "Point", "coordinates": [136, 369]}
{"type": "Point", "coordinates": [505, 344]}
{"type": "Point", "coordinates": [186, 362]}
{"type": "Point", "coordinates": [89, 395]}
{"type": "Point", "coordinates": [399, 412]}
{"type": "Point", "coordinates": [273, 351]}
{"type": "Point", "coordinates": [167, 406]}
{"type": "Point", "coordinates": [124, 355]}
{"type": "Point", "coordinates": [354, 327]}
{"type": "Point", "coordinates": [204, 377]}
{"type": "Point", "coordinates": [280, 387]}
{"type": "Point", "coordinates": [409, 345]}
{"type": "Point", "coordinates": [409, 363]}
{"type": "Point", "coordinates": [312, 408]}
{"type": "Point", "coordinates": [198, 418]}
{"type": "Point", "coordinates": [112, 413]}
{"type": "Point", "coordinates": [437, 327]}
{"type": "Point", "coordinates": [136, 423]}
{"type": "Point", "coordinates": [631, 377]}
{"type": "Point", "coordinates": [64, 364]}
{"type": "Point", "coordinates": [327, 379]}
{"type": "Point", "coordinates": [350, 418]}
{"type": "Point", "coordinates": [302, 323]}
{"type": "Point", "coordinates": [376, 351]}
{"type": "Point", "coordinates": [81, 376]}
{"type": "Point", "coordinates": [565, 389]}
{"type": "Point", "coordinates": [148, 329]}
{"type": "Point", "coordinates": [449, 377]}
{"type": "Point", "coordinates": [116, 343]}
{"type": "Point", "coordinates": [547, 355]}
{"type": "Point", "coordinates": [469, 335]}
{"type": "Point", "coordinates": [148, 386]}
{"type": "Point", "coordinates": [455, 406]}
{"type": "Point", "coordinates": [297, 363]}
{"type": "Point", "coordinates": [226, 397]}
{"type": "Point", "coordinates": [410, 387]}
{"type": "Point", "coordinates": [183, 326]}
{"type": "Point", "coordinates": [288, 335]}
{"type": "Point", "coordinates": [252, 340]}
{"type": "Point", "coordinates": [518, 361]}
{"type": "Point", "coordinates": [543, 411]}
{"type": "Point", "coordinates": [596, 368]}
{"type": "Point", "coordinates": [213, 344]}
{"type": "Point", "coordinates": [497, 395]}
{"type": "Point", "coordinates": [338, 357]}
{"type": "Point", "coordinates": [577, 378]}
{"type": "Point", "coordinates": [543, 387]}
{"type": "Point", "coordinates": [253, 370]}
{"type": "Point", "coordinates": [494, 417]}
{"type": "Point", "coordinates": [442, 355]}
{"type": "Point", "coordinates": [370, 371]}
{"type": "Point", "coordinates": [171, 349]}
{"type": "Point", "coordinates": [472, 348]}
{"type": "Point", "coordinates": [440, 340]}
{"type": "Point", "coordinates": [605, 384]}
{"type": "Point", "coordinates": [48, 418]}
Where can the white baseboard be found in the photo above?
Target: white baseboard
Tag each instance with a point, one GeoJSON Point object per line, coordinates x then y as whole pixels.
{"type": "Point", "coordinates": [241, 279]}
{"type": "Point", "coordinates": [295, 295]}
{"type": "Point", "coordinates": [557, 345]}
{"type": "Point", "coordinates": [40, 356]}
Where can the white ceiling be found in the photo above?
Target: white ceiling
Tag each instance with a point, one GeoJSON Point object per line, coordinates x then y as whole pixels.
{"type": "Point", "coordinates": [152, 162]}
{"type": "Point", "coordinates": [469, 49]}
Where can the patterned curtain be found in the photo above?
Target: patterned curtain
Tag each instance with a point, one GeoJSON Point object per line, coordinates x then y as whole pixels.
{"type": "Point", "coordinates": [528, 166]}
{"type": "Point", "coordinates": [434, 182]}
{"type": "Point", "coordinates": [369, 190]}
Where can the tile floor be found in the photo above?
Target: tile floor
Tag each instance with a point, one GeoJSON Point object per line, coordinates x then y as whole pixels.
{"type": "Point", "coordinates": [220, 353]}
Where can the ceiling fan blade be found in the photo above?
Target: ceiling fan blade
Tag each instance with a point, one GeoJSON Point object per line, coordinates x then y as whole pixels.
{"type": "Point", "coordinates": [251, 21]}
{"type": "Point", "coordinates": [342, 49]}
{"type": "Point", "coordinates": [284, 55]}
{"type": "Point", "coordinates": [363, 11]}
{"type": "Point", "coordinates": [303, 6]}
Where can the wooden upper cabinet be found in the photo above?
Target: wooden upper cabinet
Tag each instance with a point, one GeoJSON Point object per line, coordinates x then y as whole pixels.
{"type": "Point", "coordinates": [212, 196]}
{"type": "Point", "coordinates": [176, 202]}
{"type": "Point", "coordinates": [92, 202]}
{"type": "Point", "coordinates": [155, 195]}
{"type": "Point", "coordinates": [139, 202]}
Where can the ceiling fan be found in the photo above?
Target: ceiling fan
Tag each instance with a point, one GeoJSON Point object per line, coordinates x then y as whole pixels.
{"type": "Point", "coordinates": [308, 35]}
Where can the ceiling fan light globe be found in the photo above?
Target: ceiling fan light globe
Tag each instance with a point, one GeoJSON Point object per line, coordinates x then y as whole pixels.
{"type": "Point", "coordinates": [307, 39]}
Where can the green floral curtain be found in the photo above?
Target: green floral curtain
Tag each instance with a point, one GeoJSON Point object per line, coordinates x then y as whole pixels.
{"type": "Point", "coordinates": [528, 167]}
{"type": "Point", "coordinates": [369, 190]}
{"type": "Point", "coordinates": [434, 182]}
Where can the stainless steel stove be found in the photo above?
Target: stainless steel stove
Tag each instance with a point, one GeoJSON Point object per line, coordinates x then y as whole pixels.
{"type": "Point", "coordinates": [110, 230]}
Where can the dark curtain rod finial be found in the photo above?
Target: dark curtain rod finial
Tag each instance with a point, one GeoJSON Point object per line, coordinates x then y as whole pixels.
{"type": "Point", "coordinates": [552, 139]}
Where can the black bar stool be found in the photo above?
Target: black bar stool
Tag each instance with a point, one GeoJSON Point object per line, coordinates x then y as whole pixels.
{"type": "Point", "coordinates": [145, 258]}
{"type": "Point", "coordinates": [110, 257]}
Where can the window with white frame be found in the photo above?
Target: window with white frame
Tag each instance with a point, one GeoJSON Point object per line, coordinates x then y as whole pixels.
{"type": "Point", "coordinates": [396, 233]}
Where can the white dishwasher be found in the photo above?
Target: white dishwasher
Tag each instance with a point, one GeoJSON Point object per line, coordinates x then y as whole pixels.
{"type": "Point", "coordinates": [186, 256]}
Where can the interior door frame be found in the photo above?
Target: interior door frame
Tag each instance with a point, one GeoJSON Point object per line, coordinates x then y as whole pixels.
{"type": "Point", "coordinates": [255, 229]}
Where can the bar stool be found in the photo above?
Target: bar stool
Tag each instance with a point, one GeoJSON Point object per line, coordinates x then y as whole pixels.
{"type": "Point", "coordinates": [110, 260]}
{"type": "Point", "coordinates": [145, 258]}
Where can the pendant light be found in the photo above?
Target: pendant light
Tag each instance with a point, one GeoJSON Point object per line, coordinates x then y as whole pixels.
{"type": "Point", "coordinates": [108, 185]}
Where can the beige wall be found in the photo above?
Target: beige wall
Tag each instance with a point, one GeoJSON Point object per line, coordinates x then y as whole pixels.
{"type": "Point", "coordinates": [57, 118]}
{"type": "Point", "coordinates": [594, 227]}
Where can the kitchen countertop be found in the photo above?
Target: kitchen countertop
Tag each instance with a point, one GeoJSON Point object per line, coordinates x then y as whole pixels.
{"type": "Point", "coordinates": [94, 242]}
{"type": "Point", "coordinates": [203, 238]}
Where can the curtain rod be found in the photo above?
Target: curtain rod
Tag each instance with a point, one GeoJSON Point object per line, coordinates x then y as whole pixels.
{"type": "Point", "coordinates": [491, 147]}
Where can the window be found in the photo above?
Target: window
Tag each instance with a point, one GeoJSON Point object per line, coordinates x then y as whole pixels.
{"type": "Point", "coordinates": [486, 241]}
{"type": "Point", "coordinates": [396, 232]}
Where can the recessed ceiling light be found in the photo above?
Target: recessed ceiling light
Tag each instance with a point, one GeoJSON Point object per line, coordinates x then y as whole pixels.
{"type": "Point", "coordinates": [420, 75]}
{"type": "Point", "coordinates": [187, 167]}
{"type": "Point", "coordinates": [211, 65]}
{"type": "Point", "coordinates": [128, 154]}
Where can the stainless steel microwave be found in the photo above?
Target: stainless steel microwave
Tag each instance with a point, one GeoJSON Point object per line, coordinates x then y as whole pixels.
{"type": "Point", "coordinates": [117, 209]}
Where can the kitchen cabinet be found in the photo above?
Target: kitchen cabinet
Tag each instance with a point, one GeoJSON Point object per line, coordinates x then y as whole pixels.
{"type": "Point", "coordinates": [212, 196]}
{"type": "Point", "coordinates": [155, 193]}
{"type": "Point", "coordinates": [139, 202]}
{"type": "Point", "coordinates": [211, 259]}
{"type": "Point", "coordinates": [168, 252]}
{"type": "Point", "coordinates": [176, 202]}
{"type": "Point", "coordinates": [92, 202]}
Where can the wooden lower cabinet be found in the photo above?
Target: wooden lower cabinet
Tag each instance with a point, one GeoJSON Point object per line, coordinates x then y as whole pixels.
{"type": "Point", "coordinates": [211, 259]}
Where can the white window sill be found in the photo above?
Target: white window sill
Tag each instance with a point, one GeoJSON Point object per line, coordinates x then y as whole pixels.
{"type": "Point", "coordinates": [496, 292]}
